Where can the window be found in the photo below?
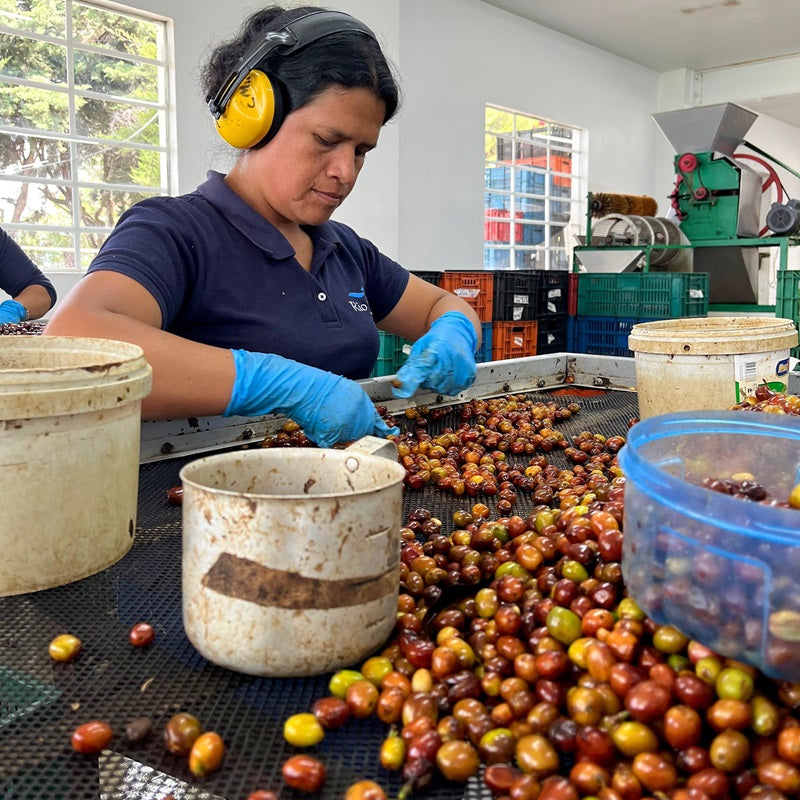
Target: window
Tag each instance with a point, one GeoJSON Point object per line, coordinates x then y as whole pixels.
{"type": "Point", "coordinates": [533, 191]}
{"type": "Point", "coordinates": [84, 123]}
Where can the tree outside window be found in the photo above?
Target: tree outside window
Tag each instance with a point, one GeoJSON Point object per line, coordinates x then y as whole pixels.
{"type": "Point", "coordinates": [84, 123]}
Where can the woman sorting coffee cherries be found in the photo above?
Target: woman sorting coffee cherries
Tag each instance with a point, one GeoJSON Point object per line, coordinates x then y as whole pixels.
{"type": "Point", "coordinates": [246, 298]}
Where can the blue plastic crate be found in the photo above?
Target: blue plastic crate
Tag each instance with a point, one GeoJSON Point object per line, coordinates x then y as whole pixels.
{"type": "Point", "coordinates": [572, 334]}
{"type": "Point", "coordinates": [485, 351]}
{"type": "Point", "coordinates": [605, 336]}
{"type": "Point", "coordinates": [498, 178]}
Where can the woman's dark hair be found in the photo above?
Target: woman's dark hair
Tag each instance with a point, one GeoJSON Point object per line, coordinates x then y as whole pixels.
{"type": "Point", "coordinates": [348, 59]}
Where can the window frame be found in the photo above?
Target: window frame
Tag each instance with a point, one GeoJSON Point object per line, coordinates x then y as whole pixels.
{"type": "Point", "coordinates": [163, 107]}
{"type": "Point", "coordinates": [525, 197]}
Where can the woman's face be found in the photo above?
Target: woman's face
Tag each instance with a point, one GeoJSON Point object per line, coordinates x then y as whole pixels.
{"type": "Point", "coordinates": [307, 170]}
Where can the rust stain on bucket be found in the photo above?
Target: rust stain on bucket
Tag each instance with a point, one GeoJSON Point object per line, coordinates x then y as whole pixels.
{"type": "Point", "coordinates": [244, 579]}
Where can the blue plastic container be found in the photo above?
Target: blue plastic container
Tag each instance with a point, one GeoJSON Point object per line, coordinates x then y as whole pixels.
{"type": "Point", "coordinates": [721, 569]}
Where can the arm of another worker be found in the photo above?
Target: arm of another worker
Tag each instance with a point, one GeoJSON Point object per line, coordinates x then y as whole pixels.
{"type": "Point", "coordinates": [32, 294]}
{"type": "Point", "coordinates": [446, 333]}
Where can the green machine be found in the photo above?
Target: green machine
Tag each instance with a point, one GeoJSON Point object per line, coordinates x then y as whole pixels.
{"type": "Point", "coordinates": [717, 198]}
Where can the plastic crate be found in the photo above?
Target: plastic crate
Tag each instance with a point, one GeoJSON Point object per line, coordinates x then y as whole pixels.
{"type": "Point", "coordinates": [390, 355]}
{"type": "Point", "coordinates": [485, 351]}
{"type": "Point", "coordinates": [654, 295]}
{"type": "Point", "coordinates": [572, 293]}
{"type": "Point", "coordinates": [604, 336]}
{"type": "Point", "coordinates": [552, 293]}
{"type": "Point", "coordinates": [515, 295]}
{"type": "Point", "coordinates": [572, 334]}
{"type": "Point", "coordinates": [513, 339]}
{"type": "Point", "coordinates": [476, 288]}
{"type": "Point", "coordinates": [429, 276]}
{"type": "Point", "coordinates": [551, 336]}
{"type": "Point", "coordinates": [787, 299]}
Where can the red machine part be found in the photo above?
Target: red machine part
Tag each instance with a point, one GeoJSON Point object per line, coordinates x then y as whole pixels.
{"type": "Point", "coordinates": [687, 162]}
{"type": "Point", "coordinates": [771, 180]}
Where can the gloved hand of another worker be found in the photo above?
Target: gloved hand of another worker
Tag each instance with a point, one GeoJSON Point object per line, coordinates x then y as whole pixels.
{"type": "Point", "coordinates": [443, 359]}
{"type": "Point", "coordinates": [328, 407]}
{"type": "Point", "coordinates": [12, 312]}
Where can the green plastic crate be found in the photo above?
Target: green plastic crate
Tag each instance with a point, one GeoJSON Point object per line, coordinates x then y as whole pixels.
{"type": "Point", "coordinates": [390, 355]}
{"type": "Point", "coordinates": [654, 295]}
{"type": "Point", "coordinates": [787, 299]}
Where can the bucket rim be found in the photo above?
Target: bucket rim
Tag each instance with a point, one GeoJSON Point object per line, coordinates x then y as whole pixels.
{"type": "Point", "coordinates": [290, 454]}
{"type": "Point", "coordinates": [125, 353]}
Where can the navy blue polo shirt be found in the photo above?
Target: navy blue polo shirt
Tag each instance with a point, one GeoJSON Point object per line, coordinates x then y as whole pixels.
{"type": "Point", "coordinates": [224, 276]}
{"type": "Point", "coordinates": [17, 271]}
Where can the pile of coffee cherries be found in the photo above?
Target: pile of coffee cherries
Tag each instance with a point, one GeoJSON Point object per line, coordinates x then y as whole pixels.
{"type": "Point", "coordinates": [770, 401]}
{"type": "Point", "coordinates": [519, 660]}
{"type": "Point", "coordinates": [33, 328]}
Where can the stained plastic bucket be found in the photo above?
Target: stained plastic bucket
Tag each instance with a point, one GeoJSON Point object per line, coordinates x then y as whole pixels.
{"type": "Point", "coordinates": [70, 421]}
{"type": "Point", "coordinates": [291, 557]}
{"type": "Point", "coordinates": [708, 363]}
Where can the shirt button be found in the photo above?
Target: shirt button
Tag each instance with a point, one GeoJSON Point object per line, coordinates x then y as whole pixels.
{"type": "Point", "coordinates": [322, 296]}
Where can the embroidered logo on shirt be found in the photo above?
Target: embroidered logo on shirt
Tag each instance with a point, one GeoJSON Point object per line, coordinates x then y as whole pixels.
{"type": "Point", "coordinates": [358, 296]}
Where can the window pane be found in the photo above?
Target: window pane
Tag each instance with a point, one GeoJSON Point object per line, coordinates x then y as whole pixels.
{"type": "Point", "coordinates": [115, 31]}
{"type": "Point", "coordinates": [102, 207]}
{"type": "Point", "coordinates": [530, 209]}
{"type": "Point", "coordinates": [103, 119]}
{"type": "Point", "coordinates": [560, 211]}
{"type": "Point", "coordinates": [51, 251]}
{"type": "Point", "coordinates": [491, 147]}
{"type": "Point", "coordinates": [37, 61]}
{"type": "Point", "coordinates": [497, 226]}
{"type": "Point", "coordinates": [527, 234]}
{"type": "Point", "coordinates": [528, 181]}
{"type": "Point", "coordinates": [526, 259]}
{"type": "Point", "coordinates": [99, 164]}
{"type": "Point", "coordinates": [117, 76]}
{"type": "Point", "coordinates": [90, 245]}
{"type": "Point", "coordinates": [34, 157]}
{"type": "Point", "coordinates": [39, 16]}
{"type": "Point", "coordinates": [496, 258]}
{"type": "Point", "coordinates": [39, 109]}
{"type": "Point", "coordinates": [499, 121]}
{"type": "Point", "coordinates": [35, 203]}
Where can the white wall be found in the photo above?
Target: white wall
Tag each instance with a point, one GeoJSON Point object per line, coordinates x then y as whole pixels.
{"type": "Point", "coordinates": [459, 55]}
{"type": "Point", "coordinates": [420, 195]}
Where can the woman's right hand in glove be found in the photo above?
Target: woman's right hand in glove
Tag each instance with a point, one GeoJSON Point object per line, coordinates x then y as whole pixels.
{"type": "Point", "coordinates": [329, 408]}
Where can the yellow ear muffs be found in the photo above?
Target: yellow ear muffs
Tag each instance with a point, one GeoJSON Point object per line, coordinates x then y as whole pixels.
{"type": "Point", "coordinates": [251, 112]}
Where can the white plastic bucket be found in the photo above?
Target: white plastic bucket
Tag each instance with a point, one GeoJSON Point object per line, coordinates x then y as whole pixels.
{"type": "Point", "coordinates": [291, 557]}
{"type": "Point", "coordinates": [70, 420]}
{"type": "Point", "coordinates": [708, 363]}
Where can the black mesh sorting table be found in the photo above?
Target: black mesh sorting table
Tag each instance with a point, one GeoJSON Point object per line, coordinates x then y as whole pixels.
{"type": "Point", "coordinates": [41, 701]}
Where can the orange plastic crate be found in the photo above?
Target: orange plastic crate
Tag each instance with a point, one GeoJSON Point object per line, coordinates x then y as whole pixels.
{"type": "Point", "coordinates": [477, 288]}
{"type": "Point", "coordinates": [514, 339]}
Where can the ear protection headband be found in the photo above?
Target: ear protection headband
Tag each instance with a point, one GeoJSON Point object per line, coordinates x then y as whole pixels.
{"type": "Point", "coordinates": [248, 107]}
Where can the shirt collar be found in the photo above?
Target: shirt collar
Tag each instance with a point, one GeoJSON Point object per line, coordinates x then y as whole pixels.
{"type": "Point", "coordinates": [256, 228]}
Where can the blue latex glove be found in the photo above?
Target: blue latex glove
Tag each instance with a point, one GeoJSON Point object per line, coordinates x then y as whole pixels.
{"type": "Point", "coordinates": [12, 311]}
{"type": "Point", "coordinates": [443, 359]}
{"type": "Point", "coordinates": [328, 407]}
